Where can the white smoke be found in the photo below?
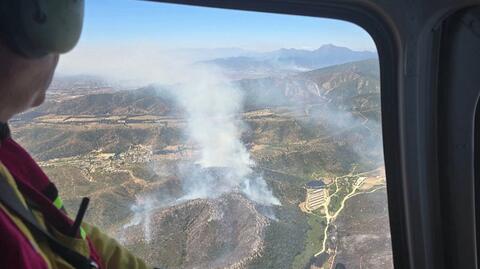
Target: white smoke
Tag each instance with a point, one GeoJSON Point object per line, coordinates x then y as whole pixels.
{"type": "Point", "coordinates": [257, 190]}
{"type": "Point", "coordinates": [142, 216]}
{"type": "Point", "coordinates": [213, 106]}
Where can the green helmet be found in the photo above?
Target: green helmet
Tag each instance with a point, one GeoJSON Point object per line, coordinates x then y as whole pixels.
{"type": "Point", "coordinates": [35, 28]}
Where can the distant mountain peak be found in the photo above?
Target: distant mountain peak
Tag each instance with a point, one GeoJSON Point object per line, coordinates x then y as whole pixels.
{"type": "Point", "coordinates": [332, 47]}
{"type": "Point", "coordinates": [329, 45]}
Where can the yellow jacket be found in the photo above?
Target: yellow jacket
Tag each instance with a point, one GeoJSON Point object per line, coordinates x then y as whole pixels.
{"type": "Point", "coordinates": [112, 254]}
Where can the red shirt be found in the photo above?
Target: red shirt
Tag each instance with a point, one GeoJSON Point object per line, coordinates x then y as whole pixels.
{"type": "Point", "coordinates": [16, 249]}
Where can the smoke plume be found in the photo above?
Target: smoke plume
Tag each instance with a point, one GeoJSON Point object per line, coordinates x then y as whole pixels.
{"type": "Point", "coordinates": [213, 107]}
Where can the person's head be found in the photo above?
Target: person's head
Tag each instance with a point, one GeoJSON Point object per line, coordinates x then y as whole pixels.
{"type": "Point", "coordinates": [32, 34]}
{"type": "Point", "coordinates": [23, 81]}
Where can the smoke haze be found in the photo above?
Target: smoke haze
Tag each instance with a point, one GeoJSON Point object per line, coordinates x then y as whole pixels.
{"type": "Point", "coordinates": [212, 106]}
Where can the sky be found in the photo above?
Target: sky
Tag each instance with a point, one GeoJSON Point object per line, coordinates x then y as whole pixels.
{"type": "Point", "coordinates": [178, 26]}
{"type": "Point", "coordinates": [125, 38]}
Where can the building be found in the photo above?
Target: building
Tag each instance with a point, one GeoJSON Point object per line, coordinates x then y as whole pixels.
{"type": "Point", "coordinates": [317, 194]}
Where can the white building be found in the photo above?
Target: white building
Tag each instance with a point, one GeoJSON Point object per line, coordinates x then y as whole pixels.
{"type": "Point", "coordinates": [317, 194]}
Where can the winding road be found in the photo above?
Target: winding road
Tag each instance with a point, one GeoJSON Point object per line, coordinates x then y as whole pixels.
{"type": "Point", "coordinates": [331, 217]}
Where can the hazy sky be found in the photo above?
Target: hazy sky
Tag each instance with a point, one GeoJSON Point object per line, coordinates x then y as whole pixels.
{"type": "Point", "coordinates": [123, 38]}
{"type": "Point", "coordinates": [177, 26]}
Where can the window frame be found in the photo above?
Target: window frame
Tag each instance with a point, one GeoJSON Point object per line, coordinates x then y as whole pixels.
{"type": "Point", "coordinates": [458, 105]}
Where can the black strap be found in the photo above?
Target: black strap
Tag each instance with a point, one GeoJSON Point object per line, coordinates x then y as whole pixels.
{"type": "Point", "coordinates": [50, 192]}
{"type": "Point", "coordinates": [9, 198]}
{"type": "Point", "coordinates": [4, 131]}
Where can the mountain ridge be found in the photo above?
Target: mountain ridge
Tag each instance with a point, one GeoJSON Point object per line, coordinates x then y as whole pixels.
{"type": "Point", "coordinates": [344, 85]}
{"type": "Point", "coordinates": [286, 61]}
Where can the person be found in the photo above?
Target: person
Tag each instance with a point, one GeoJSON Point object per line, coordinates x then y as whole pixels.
{"type": "Point", "coordinates": [35, 230]}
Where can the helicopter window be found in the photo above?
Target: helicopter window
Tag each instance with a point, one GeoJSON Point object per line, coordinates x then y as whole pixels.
{"type": "Point", "coordinates": [214, 138]}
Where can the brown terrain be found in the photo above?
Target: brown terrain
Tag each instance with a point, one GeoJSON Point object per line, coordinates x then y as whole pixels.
{"type": "Point", "coordinates": [227, 232]}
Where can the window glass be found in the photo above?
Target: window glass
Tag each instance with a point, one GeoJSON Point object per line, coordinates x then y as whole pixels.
{"type": "Point", "coordinates": [209, 138]}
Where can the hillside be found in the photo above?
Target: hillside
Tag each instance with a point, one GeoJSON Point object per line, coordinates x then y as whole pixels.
{"type": "Point", "coordinates": [143, 101]}
{"type": "Point", "coordinates": [224, 233]}
{"type": "Point", "coordinates": [351, 86]}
